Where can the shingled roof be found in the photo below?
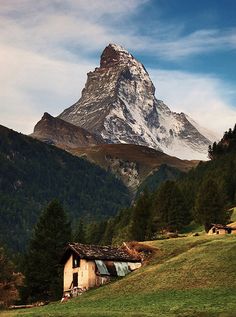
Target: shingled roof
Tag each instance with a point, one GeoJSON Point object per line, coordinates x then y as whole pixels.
{"type": "Point", "coordinates": [231, 226]}
{"type": "Point", "coordinates": [95, 252]}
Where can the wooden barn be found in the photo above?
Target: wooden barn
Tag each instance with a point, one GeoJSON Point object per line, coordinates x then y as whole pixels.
{"type": "Point", "coordinates": [223, 229]}
{"type": "Point", "coordinates": [87, 266]}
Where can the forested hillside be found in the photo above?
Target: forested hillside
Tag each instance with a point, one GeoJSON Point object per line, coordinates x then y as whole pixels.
{"type": "Point", "coordinates": [205, 195]}
{"type": "Point", "coordinates": [154, 180]}
{"type": "Point", "coordinates": [221, 170]}
{"type": "Point", "coordinates": [33, 173]}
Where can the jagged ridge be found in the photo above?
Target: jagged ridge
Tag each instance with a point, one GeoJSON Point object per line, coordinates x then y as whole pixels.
{"type": "Point", "coordinates": [63, 134]}
{"type": "Point", "coordinates": [119, 103]}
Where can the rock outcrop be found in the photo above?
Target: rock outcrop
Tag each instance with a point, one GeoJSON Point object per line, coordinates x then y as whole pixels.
{"type": "Point", "coordinates": [63, 134]}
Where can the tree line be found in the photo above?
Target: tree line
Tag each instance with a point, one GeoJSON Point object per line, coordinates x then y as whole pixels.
{"type": "Point", "coordinates": [204, 196]}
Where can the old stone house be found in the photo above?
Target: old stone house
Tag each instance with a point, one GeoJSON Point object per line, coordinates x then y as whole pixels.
{"type": "Point", "coordinates": [87, 266]}
{"type": "Point", "coordinates": [222, 229]}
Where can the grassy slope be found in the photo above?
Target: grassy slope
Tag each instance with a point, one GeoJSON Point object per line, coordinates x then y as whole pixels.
{"type": "Point", "coordinates": [192, 276]}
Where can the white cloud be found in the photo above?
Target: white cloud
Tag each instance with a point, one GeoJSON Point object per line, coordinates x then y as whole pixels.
{"type": "Point", "coordinates": [204, 98]}
{"type": "Point", "coordinates": [47, 47]}
{"type": "Point", "coordinates": [59, 27]}
{"type": "Point", "coordinates": [98, 8]}
{"type": "Point", "coordinates": [32, 84]}
{"type": "Point", "coordinates": [39, 70]}
{"type": "Point", "coordinates": [197, 42]}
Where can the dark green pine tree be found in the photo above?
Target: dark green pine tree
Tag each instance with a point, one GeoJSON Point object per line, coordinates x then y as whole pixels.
{"type": "Point", "coordinates": [170, 211]}
{"type": "Point", "coordinates": [95, 231]}
{"type": "Point", "coordinates": [108, 232]}
{"type": "Point", "coordinates": [210, 152]}
{"type": "Point", "coordinates": [80, 235]}
{"type": "Point", "coordinates": [9, 280]}
{"type": "Point", "coordinates": [160, 209]}
{"type": "Point", "coordinates": [43, 272]}
{"type": "Point", "coordinates": [140, 217]}
{"type": "Point", "coordinates": [178, 215]}
{"type": "Point", "coordinates": [234, 130]}
{"type": "Point", "coordinates": [210, 204]}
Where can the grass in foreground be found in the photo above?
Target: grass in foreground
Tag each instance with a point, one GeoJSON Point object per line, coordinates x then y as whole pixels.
{"type": "Point", "coordinates": [192, 276]}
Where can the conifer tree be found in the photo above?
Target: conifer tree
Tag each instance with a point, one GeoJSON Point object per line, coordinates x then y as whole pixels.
{"type": "Point", "coordinates": [170, 211]}
{"type": "Point", "coordinates": [140, 217]}
{"type": "Point", "coordinates": [108, 233]}
{"type": "Point", "coordinates": [95, 231]}
{"type": "Point", "coordinates": [80, 235]}
{"type": "Point", "coordinates": [234, 130]}
{"type": "Point", "coordinates": [121, 227]}
{"type": "Point", "coordinates": [209, 204]}
{"type": "Point", "coordinates": [9, 280]}
{"type": "Point", "coordinates": [210, 152]}
{"type": "Point", "coordinates": [43, 271]}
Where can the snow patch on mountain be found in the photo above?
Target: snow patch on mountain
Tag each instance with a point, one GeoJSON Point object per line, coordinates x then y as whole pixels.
{"type": "Point", "coordinates": [119, 103]}
{"type": "Point", "coordinates": [212, 136]}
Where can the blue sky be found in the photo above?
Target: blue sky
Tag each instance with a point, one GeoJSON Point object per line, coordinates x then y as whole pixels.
{"type": "Point", "coordinates": [48, 46]}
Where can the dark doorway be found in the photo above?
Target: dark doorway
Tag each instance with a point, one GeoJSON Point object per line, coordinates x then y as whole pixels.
{"type": "Point", "coordinates": [75, 279]}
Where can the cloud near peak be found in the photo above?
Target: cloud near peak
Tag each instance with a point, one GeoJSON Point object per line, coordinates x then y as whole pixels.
{"type": "Point", "coordinates": [47, 47]}
{"type": "Point", "coordinates": [205, 98]}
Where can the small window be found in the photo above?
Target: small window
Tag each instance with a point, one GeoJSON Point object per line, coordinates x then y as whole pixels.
{"type": "Point", "coordinates": [76, 261]}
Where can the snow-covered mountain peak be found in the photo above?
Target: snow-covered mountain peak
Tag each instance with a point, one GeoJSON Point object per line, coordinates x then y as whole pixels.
{"type": "Point", "coordinates": [118, 103]}
{"type": "Point", "coordinates": [118, 48]}
{"type": "Point", "coordinates": [114, 54]}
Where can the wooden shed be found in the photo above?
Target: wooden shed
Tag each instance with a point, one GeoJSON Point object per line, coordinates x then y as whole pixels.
{"type": "Point", "coordinates": [87, 266]}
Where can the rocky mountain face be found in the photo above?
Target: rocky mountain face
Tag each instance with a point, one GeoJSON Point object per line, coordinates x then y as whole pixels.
{"type": "Point", "coordinates": [130, 162]}
{"type": "Point", "coordinates": [63, 134]}
{"type": "Point", "coordinates": [118, 103]}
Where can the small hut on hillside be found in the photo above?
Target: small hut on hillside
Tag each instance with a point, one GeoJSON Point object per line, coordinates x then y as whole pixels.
{"type": "Point", "coordinates": [223, 229]}
{"type": "Point", "coordinates": [87, 266]}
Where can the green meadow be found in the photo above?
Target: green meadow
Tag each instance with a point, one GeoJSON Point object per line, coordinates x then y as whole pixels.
{"type": "Point", "coordinates": [187, 277]}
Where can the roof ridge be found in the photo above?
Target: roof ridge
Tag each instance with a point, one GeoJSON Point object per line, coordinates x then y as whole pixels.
{"type": "Point", "coordinates": [97, 252]}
